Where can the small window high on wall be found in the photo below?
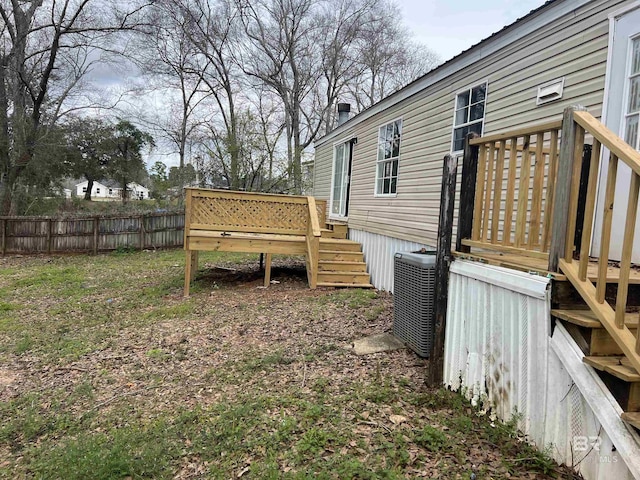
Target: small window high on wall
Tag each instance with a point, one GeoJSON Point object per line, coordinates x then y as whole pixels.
{"type": "Point", "coordinates": [388, 158]}
{"type": "Point", "coordinates": [469, 114]}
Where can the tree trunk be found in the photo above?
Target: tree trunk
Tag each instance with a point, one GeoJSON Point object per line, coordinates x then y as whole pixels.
{"type": "Point", "coordinates": [87, 194]}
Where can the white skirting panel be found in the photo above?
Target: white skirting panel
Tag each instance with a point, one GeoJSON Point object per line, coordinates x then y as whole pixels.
{"type": "Point", "coordinates": [499, 352]}
{"type": "Point", "coordinates": [378, 253]}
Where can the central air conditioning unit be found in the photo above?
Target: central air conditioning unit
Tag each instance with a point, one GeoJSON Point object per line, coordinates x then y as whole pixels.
{"type": "Point", "coordinates": [414, 277]}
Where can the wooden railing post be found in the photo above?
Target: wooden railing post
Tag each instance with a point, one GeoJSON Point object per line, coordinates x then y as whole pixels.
{"type": "Point", "coordinates": [313, 243]}
{"type": "Point", "coordinates": [563, 187]}
{"type": "Point", "coordinates": [467, 192]}
{"type": "Point", "coordinates": [443, 261]}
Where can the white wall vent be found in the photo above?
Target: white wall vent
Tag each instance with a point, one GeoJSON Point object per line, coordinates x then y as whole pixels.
{"type": "Point", "coordinates": [550, 91]}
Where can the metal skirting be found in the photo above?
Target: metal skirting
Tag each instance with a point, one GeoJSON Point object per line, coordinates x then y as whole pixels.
{"type": "Point", "coordinates": [378, 253]}
{"type": "Point", "coordinates": [499, 352]}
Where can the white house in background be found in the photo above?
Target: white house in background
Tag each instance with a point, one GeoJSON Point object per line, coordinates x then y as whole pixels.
{"type": "Point", "coordinates": [111, 190]}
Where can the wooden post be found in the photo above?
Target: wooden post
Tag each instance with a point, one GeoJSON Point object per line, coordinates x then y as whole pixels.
{"type": "Point", "coordinates": [443, 261]}
{"type": "Point", "coordinates": [142, 232]}
{"type": "Point", "coordinates": [467, 192]}
{"type": "Point", "coordinates": [267, 270]}
{"type": "Point", "coordinates": [49, 235]}
{"type": "Point", "coordinates": [4, 236]}
{"type": "Point", "coordinates": [96, 230]}
{"type": "Point", "coordinates": [582, 196]}
{"type": "Point", "coordinates": [188, 265]}
{"type": "Point", "coordinates": [563, 187]}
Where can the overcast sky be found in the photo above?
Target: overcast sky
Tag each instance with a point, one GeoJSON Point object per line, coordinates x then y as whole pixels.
{"type": "Point", "coordinates": [450, 26]}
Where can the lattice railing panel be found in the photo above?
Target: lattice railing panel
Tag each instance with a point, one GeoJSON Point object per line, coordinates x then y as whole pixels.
{"type": "Point", "coordinates": [250, 214]}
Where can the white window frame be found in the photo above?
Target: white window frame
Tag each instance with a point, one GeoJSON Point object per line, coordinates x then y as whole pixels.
{"type": "Point", "coordinates": [627, 93]}
{"type": "Point", "coordinates": [469, 89]}
{"type": "Point", "coordinates": [344, 141]}
{"type": "Point", "coordinates": [378, 161]}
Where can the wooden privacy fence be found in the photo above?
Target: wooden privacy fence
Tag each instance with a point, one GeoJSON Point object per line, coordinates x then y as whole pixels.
{"type": "Point", "coordinates": [29, 235]}
{"type": "Point", "coordinates": [515, 186]}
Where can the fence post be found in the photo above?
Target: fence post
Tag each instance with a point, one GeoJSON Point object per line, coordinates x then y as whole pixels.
{"type": "Point", "coordinates": [443, 261]}
{"type": "Point", "coordinates": [142, 232]}
{"type": "Point", "coordinates": [96, 222]}
{"type": "Point", "coordinates": [563, 187]}
{"type": "Point", "coordinates": [4, 236]}
{"type": "Point", "coordinates": [49, 235]}
{"type": "Point", "coordinates": [467, 192]}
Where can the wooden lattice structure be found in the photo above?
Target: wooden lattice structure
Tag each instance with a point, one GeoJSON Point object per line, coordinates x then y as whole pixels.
{"type": "Point", "coordinates": [251, 222]}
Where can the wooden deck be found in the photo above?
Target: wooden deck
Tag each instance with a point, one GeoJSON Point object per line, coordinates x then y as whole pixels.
{"type": "Point", "coordinates": [220, 220]}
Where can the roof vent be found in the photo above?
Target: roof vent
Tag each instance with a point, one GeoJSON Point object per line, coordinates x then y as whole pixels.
{"type": "Point", "coordinates": [343, 112]}
{"type": "Point", "coordinates": [550, 91]}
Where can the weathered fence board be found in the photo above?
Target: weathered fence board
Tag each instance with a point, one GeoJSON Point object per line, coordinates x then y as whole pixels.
{"type": "Point", "coordinates": [29, 235]}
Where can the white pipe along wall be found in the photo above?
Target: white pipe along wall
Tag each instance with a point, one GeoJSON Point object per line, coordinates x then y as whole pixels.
{"type": "Point", "coordinates": [500, 353]}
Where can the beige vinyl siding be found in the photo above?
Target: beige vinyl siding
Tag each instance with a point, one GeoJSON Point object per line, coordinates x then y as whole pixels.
{"type": "Point", "coordinates": [573, 46]}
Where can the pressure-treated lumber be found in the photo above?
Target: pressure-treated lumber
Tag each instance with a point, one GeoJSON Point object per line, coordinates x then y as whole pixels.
{"type": "Point", "coordinates": [618, 366]}
{"type": "Point", "coordinates": [563, 188]}
{"type": "Point", "coordinates": [521, 132]}
{"type": "Point", "coordinates": [605, 238]}
{"type": "Point", "coordinates": [479, 190]}
{"type": "Point", "coordinates": [627, 247]}
{"type": "Point", "coordinates": [589, 209]}
{"type": "Point", "coordinates": [603, 311]}
{"type": "Point", "coordinates": [505, 248]}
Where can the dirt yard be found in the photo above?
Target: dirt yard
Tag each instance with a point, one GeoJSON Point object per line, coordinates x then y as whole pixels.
{"type": "Point", "coordinates": [107, 372]}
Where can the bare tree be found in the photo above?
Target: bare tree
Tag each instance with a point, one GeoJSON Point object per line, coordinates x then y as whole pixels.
{"type": "Point", "coordinates": [44, 47]}
{"type": "Point", "coordinates": [282, 51]}
{"type": "Point", "coordinates": [388, 58]}
{"type": "Point", "coordinates": [165, 56]}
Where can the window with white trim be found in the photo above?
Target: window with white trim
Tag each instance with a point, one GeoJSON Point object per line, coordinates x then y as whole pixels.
{"type": "Point", "coordinates": [469, 115]}
{"type": "Point", "coordinates": [632, 112]}
{"type": "Point", "coordinates": [388, 156]}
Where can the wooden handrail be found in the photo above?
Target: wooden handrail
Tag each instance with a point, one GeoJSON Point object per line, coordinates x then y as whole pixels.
{"type": "Point", "coordinates": [521, 132]}
{"type": "Point", "coordinates": [579, 123]}
{"type": "Point", "coordinates": [313, 217]}
{"type": "Point", "coordinates": [610, 140]}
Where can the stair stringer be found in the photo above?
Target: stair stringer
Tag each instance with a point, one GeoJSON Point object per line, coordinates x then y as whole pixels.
{"type": "Point", "coordinates": [600, 400]}
{"type": "Point", "coordinates": [604, 312]}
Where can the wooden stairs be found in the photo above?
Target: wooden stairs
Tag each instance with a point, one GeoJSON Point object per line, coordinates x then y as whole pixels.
{"type": "Point", "coordinates": [341, 262]}
{"type": "Point", "coordinates": [603, 347]}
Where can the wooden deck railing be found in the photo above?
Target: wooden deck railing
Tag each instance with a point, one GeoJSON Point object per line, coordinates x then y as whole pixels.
{"type": "Point", "coordinates": [545, 212]}
{"type": "Point", "coordinates": [574, 264]}
{"type": "Point", "coordinates": [252, 222]}
{"type": "Point", "coordinates": [514, 189]}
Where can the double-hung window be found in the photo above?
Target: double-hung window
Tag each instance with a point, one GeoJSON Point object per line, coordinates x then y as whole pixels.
{"type": "Point", "coordinates": [469, 114]}
{"type": "Point", "coordinates": [388, 156]}
{"type": "Point", "coordinates": [632, 112]}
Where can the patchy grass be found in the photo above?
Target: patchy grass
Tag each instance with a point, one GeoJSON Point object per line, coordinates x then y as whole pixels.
{"type": "Point", "coordinates": [107, 372]}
